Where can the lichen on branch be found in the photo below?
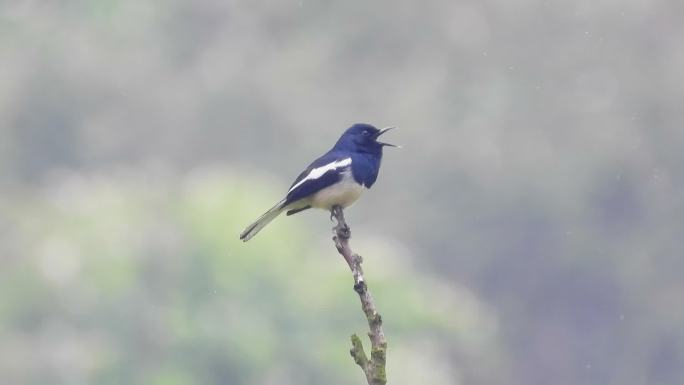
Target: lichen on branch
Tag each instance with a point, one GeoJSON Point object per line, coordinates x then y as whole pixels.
{"type": "Point", "coordinates": [373, 368]}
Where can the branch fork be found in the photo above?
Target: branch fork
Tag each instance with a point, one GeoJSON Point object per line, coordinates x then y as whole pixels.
{"type": "Point", "coordinates": [373, 367]}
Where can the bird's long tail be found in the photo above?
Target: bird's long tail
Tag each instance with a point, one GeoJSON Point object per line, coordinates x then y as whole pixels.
{"type": "Point", "coordinates": [262, 221]}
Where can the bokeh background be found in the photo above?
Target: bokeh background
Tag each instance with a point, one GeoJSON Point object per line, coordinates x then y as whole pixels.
{"type": "Point", "coordinates": [529, 233]}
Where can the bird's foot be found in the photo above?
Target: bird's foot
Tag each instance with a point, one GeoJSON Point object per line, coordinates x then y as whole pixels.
{"type": "Point", "coordinates": [342, 229]}
{"type": "Point", "coordinates": [336, 213]}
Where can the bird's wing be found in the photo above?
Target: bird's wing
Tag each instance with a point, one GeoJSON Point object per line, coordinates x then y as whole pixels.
{"type": "Point", "coordinates": [323, 172]}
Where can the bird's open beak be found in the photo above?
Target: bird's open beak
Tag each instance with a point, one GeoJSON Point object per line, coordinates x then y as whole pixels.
{"type": "Point", "coordinates": [382, 131]}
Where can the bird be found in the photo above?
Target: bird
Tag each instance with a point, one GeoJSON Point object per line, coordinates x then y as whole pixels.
{"type": "Point", "coordinates": [337, 178]}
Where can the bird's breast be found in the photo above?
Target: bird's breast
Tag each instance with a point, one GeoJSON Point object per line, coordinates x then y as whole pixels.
{"type": "Point", "coordinates": [343, 193]}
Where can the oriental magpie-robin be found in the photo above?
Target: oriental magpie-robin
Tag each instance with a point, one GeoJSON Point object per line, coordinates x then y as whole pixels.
{"type": "Point", "coordinates": [335, 179]}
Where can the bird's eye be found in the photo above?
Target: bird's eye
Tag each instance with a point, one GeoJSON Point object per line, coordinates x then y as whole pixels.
{"type": "Point", "coordinates": [365, 132]}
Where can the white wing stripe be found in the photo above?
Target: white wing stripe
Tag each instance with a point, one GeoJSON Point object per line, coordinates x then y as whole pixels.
{"type": "Point", "coordinates": [319, 171]}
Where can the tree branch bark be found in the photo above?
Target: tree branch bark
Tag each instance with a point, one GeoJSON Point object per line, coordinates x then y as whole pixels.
{"type": "Point", "coordinates": [373, 368]}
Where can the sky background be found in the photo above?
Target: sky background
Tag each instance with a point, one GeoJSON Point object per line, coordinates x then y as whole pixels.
{"type": "Point", "coordinates": [529, 232]}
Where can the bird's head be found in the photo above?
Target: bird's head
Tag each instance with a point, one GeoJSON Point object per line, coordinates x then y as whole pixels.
{"type": "Point", "coordinates": [363, 137]}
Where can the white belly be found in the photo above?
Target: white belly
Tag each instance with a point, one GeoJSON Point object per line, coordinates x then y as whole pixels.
{"type": "Point", "coordinates": [343, 193]}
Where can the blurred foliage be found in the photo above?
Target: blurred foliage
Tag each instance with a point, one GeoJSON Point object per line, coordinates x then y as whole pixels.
{"type": "Point", "coordinates": [137, 280]}
{"type": "Point", "coordinates": [528, 233]}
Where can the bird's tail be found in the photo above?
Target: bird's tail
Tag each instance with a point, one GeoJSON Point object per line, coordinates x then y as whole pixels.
{"type": "Point", "coordinates": [262, 221]}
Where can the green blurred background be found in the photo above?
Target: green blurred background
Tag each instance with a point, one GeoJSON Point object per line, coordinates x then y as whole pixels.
{"type": "Point", "coordinates": [527, 234]}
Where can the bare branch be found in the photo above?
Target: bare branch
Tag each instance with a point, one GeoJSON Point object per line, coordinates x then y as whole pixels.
{"type": "Point", "coordinates": [373, 368]}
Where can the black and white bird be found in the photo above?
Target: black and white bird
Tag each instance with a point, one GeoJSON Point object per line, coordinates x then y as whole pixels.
{"type": "Point", "coordinates": [338, 178]}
